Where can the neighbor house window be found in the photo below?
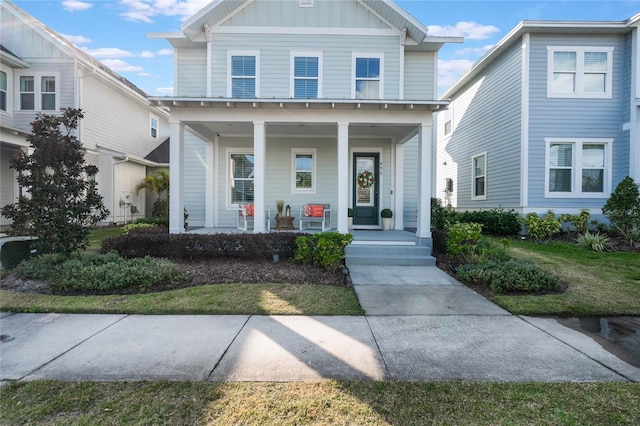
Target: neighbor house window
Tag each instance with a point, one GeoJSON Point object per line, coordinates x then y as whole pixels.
{"type": "Point", "coordinates": [306, 82]}
{"type": "Point", "coordinates": [304, 170]}
{"type": "Point", "coordinates": [479, 176]}
{"type": "Point", "coordinates": [38, 92]}
{"type": "Point", "coordinates": [579, 72]}
{"type": "Point", "coordinates": [241, 178]}
{"type": "Point", "coordinates": [243, 75]}
{"type": "Point", "coordinates": [447, 114]}
{"type": "Point", "coordinates": [154, 127]}
{"type": "Point", "coordinates": [367, 77]}
{"type": "Point", "coordinates": [580, 167]}
{"type": "Point", "coordinates": [3, 91]}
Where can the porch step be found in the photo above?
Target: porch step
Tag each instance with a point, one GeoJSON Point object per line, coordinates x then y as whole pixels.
{"type": "Point", "coordinates": [389, 254]}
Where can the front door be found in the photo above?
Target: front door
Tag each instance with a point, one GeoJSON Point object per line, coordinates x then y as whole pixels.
{"type": "Point", "coordinates": [366, 174]}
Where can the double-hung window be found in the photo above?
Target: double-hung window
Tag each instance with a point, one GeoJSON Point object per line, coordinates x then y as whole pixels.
{"type": "Point", "coordinates": [241, 177]}
{"type": "Point", "coordinates": [243, 75]}
{"type": "Point", "coordinates": [479, 176]}
{"type": "Point", "coordinates": [38, 92]}
{"type": "Point", "coordinates": [579, 72]}
{"type": "Point", "coordinates": [306, 76]}
{"type": "Point", "coordinates": [153, 127]}
{"type": "Point", "coordinates": [304, 170]}
{"type": "Point", "coordinates": [367, 76]}
{"type": "Point", "coordinates": [578, 167]}
{"type": "Point", "coordinates": [3, 91]}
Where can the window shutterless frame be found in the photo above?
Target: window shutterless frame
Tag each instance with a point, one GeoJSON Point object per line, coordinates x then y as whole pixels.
{"type": "Point", "coordinates": [367, 76]}
{"type": "Point", "coordinates": [579, 72]}
{"type": "Point", "coordinates": [243, 74]}
{"type": "Point", "coordinates": [303, 167]}
{"type": "Point", "coordinates": [479, 176]}
{"type": "Point", "coordinates": [305, 75]}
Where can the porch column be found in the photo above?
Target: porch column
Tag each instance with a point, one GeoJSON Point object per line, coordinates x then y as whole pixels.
{"type": "Point", "coordinates": [176, 177]}
{"type": "Point", "coordinates": [259, 166]}
{"type": "Point", "coordinates": [343, 177]}
{"type": "Point", "coordinates": [209, 186]}
{"type": "Point", "coordinates": [424, 181]}
{"type": "Point", "coordinates": [398, 191]}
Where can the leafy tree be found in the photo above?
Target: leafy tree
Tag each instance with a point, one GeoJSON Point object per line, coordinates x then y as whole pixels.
{"type": "Point", "coordinates": [623, 208]}
{"type": "Point", "coordinates": [60, 199]}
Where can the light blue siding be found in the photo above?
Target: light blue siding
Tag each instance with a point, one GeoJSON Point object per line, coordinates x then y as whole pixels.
{"type": "Point", "coordinates": [195, 177]}
{"type": "Point", "coordinates": [410, 171]}
{"type": "Point", "coordinates": [419, 76]}
{"type": "Point", "coordinates": [192, 72]}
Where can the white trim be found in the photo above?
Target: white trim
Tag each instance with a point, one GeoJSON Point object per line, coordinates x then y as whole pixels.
{"type": "Point", "coordinates": [37, 89]}
{"type": "Point", "coordinates": [626, 127]}
{"type": "Point", "coordinates": [474, 177]}
{"type": "Point", "coordinates": [216, 180]}
{"type": "Point", "coordinates": [9, 93]}
{"type": "Point", "coordinates": [366, 150]}
{"type": "Point", "coordinates": [314, 176]}
{"type": "Point", "coordinates": [397, 149]}
{"type": "Point", "coordinates": [634, 115]}
{"type": "Point", "coordinates": [379, 56]}
{"type": "Point", "coordinates": [369, 32]}
{"type": "Point", "coordinates": [151, 118]}
{"type": "Point", "coordinates": [209, 67]}
{"type": "Point", "coordinates": [401, 63]}
{"type": "Point", "coordinates": [524, 121]}
{"type": "Point", "coordinates": [576, 167]}
{"type": "Point", "coordinates": [579, 89]}
{"type": "Point", "coordinates": [557, 210]}
{"type": "Point", "coordinates": [227, 171]}
{"type": "Point", "coordinates": [254, 53]}
{"type": "Point", "coordinates": [301, 54]}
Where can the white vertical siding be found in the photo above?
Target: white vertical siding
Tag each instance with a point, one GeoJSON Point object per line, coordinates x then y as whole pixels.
{"type": "Point", "coordinates": [23, 40]}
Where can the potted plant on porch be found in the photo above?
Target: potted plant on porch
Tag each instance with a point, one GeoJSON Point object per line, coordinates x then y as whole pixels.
{"type": "Point", "coordinates": [386, 215]}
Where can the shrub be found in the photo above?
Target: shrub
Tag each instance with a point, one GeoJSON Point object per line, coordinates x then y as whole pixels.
{"type": "Point", "coordinates": [386, 213]}
{"type": "Point", "coordinates": [144, 228]}
{"type": "Point", "coordinates": [579, 221]}
{"type": "Point", "coordinates": [194, 246]}
{"type": "Point", "coordinates": [594, 242]}
{"type": "Point", "coordinates": [157, 221]}
{"type": "Point", "coordinates": [511, 276]}
{"type": "Point", "coordinates": [494, 221]}
{"type": "Point", "coordinates": [538, 227]}
{"type": "Point", "coordinates": [623, 208]}
{"type": "Point", "coordinates": [441, 216]}
{"type": "Point", "coordinates": [325, 249]}
{"type": "Point", "coordinates": [463, 239]}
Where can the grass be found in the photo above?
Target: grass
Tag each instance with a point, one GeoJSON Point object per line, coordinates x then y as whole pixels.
{"type": "Point", "coordinates": [218, 299]}
{"type": "Point", "coordinates": [96, 236]}
{"type": "Point", "coordinates": [599, 284]}
{"type": "Point", "coordinates": [320, 403]}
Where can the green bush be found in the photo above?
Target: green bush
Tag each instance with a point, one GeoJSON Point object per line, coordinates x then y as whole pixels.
{"type": "Point", "coordinates": [144, 228]}
{"type": "Point", "coordinates": [538, 227]}
{"type": "Point", "coordinates": [623, 208]}
{"type": "Point", "coordinates": [324, 249]}
{"type": "Point", "coordinates": [513, 276]}
{"type": "Point", "coordinates": [156, 221]}
{"type": "Point", "coordinates": [594, 242]}
{"type": "Point", "coordinates": [100, 273]}
{"type": "Point", "coordinates": [494, 221]}
{"type": "Point", "coordinates": [463, 240]}
{"type": "Point", "coordinates": [442, 216]}
{"type": "Point", "coordinates": [579, 221]}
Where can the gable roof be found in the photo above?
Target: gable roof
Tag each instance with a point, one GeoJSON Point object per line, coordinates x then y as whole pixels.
{"type": "Point", "coordinates": [540, 27]}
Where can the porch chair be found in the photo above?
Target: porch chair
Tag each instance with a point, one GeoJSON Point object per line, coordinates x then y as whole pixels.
{"type": "Point", "coordinates": [315, 216]}
{"type": "Point", "coordinates": [245, 217]}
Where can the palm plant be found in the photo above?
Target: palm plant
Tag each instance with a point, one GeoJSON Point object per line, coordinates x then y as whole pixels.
{"type": "Point", "coordinates": [158, 182]}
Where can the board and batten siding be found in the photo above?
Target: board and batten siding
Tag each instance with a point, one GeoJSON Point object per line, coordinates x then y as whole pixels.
{"type": "Point", "coordinates": [419, 75]}
{"type": "Point", "coordinates": [24, 41]}
{"type": "Point", "coordinates": [275, 52]}
{"type": "Point", "coordinates": [191, 72]}
{"type": "Point", "coordinates": [324, 14]}
{"type": "Point", "coordinates": [486, 118]}
{"type": "Point", "coordinates": [572, 118]}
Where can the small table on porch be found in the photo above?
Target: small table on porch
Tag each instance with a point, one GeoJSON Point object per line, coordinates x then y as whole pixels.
{"type": "Point", "coordinates": [284, 223]}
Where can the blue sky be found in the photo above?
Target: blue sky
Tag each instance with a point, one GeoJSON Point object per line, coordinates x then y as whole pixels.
{"type": "Point", "coordinates": [115, 31]}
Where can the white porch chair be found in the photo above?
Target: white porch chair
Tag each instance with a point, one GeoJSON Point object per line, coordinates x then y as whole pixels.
{"type": "Point", "coordinates": [245, 218]}
{"type": "Point", "coordinates": [321, 222]}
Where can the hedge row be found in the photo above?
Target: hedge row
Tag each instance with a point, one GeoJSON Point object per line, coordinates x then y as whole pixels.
{"type": "Point", "coordinates": [195, 246]}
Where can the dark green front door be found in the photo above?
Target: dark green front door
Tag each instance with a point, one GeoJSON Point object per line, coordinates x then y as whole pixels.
{"type": "Point", "coordinates": [366, 174]}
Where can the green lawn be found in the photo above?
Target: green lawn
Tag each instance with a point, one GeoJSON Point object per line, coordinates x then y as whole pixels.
{"type": "Point", "coordinates": [98, 234]}
{"type": "Point", "coordinates": [319, 403]}
{"type": "Point", "coordinates": [599, 284]}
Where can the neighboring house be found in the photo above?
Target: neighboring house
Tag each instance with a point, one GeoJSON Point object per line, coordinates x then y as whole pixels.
{"type": "Point", "coordinates": [292, 100]}
{"type": "Point", "coordinates": [547, 119]}
{"type": "Point", "coordinates": [42, 72]}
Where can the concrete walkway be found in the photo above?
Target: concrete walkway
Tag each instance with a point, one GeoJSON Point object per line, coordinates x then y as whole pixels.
{"type": "Point", "coordinates": [419, 325]}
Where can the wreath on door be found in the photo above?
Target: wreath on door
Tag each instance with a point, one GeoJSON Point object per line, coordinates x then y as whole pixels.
{"type": "Point", "coordinates": [365, 179]}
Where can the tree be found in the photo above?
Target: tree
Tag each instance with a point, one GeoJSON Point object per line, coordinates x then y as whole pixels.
{"type": "Point", "coordinates": [158, 182]}
{"type": "Point", "coordinates": [623, 208]}
{"type": "Point", "coordinates": [59, 198]}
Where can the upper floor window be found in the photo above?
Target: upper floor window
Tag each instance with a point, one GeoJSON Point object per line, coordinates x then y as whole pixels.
{"type": "Point", "coordinates": [154, 127]}
{"type": "Point", "coordinates": [38, 93]}
{"type": "Point", "coordinates": [367, 71]}
{"type": "Point", "coordinates": [580, 167]}
{"type": "Point", "coordinates": [3, 91]}
{"type": "Point", "coordinates": [479, 176]}
{"type": "Point", "coordinates": [244, 75]}
{"type": "Point", "coordinates": [306, 71]}
{"type": "Point", "coordinates": [304, 170]}
{"type": "Point", "coordinates": [579, 72]}
{"type": "Point", "coordinates": [447, 114]}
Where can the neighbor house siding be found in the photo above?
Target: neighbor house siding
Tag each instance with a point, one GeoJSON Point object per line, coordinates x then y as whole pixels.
{"type": "Point", "coordinates": [572, 118]}
{"type": "Point", "coordinates": [419, 76]}
{"type": "Point", "coordinates": [192, 72]}
{"type": "Point", "coordinates": [25, 41]}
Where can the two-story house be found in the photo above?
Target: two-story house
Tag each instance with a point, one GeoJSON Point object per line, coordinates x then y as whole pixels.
{"type": "Point", "coordinates": [295, 100]}
{"type": "Point", "coordinates": [547, 119]}
{"type": "Point", "coordinates": [42, 72]}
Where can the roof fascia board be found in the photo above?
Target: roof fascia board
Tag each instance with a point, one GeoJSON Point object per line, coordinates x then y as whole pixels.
{"type": "Point", "coordinates": [232, 14]}
{"type": "Point", "coordinates": [364, 4]}
{"type": "Point", "coordinates": [405, 15]}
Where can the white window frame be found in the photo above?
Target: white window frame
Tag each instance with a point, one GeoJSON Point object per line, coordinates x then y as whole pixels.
{"type": "Point", "coordinates": [37, 87]}
{"type": "Point", "coordinates": [151, 128]}
{"type": "Point", "coordinates": [474, 177]}
{"type": "Point", "coordinates": [447, 115]}
{"type": "Point", "coordinates": [576, 168]}
{"type": "Point", "coordinates": [314, 176]}
{"type": "Point", "coordinates": [229, 152]}
{"type": "Point", "coordinates": [232, 53]}
{"type": "Point", "coordinates": [7, 100]}
{"type": "Point", "coordinates": [292, 78]}
{"type": "Point", "coordinates": [579, 83]}
{"type": "Point", "coordinates": [379, 56]}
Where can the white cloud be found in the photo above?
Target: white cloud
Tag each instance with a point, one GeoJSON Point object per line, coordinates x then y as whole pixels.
{"type": "Point", "coordinates": [474, 51]}
{"type": "Point", "coordinates": [77, 39]}
{"type": "Point", "coordinates": [145, 10]}
{"type": "Point", "coordinates": [118, 65]}
{"type": "Point", "coordinates": [164, 91]}
{"type": "Point", "coordinates": [467, 29]}
{"type": "Point", "coordinates": [451, 70]}
{"type": "Point", "coordinates": [76, 5]}
{"type": "Point", "coordinates": [147, 54]}
{"type": "Point", "coordinates": [109, 53]}
{"type": "Point", "coordinates": [165, 52]}
{"type": "Point", "coordinates": [144, 74]}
